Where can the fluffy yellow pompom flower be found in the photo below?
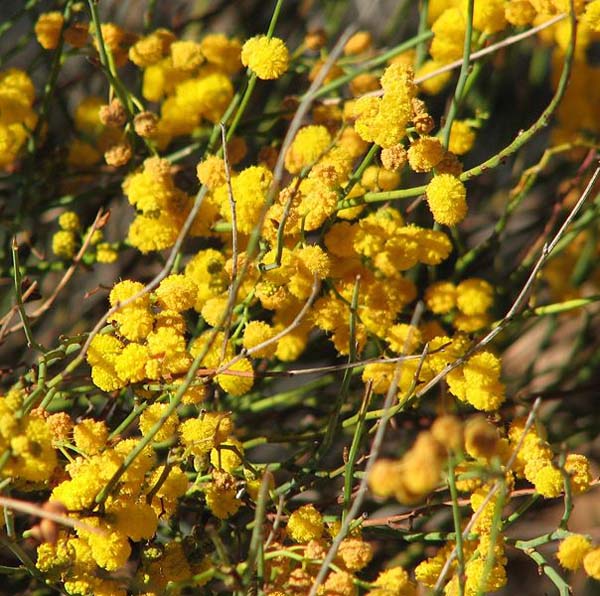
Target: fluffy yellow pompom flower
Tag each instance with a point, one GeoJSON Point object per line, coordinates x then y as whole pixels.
{"type": "Point", "coordinates": [220, 495]}
{"type": "Point", "coordinates": [102, 356]}
{"type": "Point", "coordinates": [572, 550]}
{"type": "Point", "coordinates": [425, 153]}
{"type": "Point", "coordinates": [355, 553]}
{"type": "Point", "coordinates": [578, 468]}
{"type": "Point", "coordinates": [105, 253]}
{"type": "Point", "coordinates": [394, 581]}
{"type": "Point", "coordinates": [90, 436]}
{"type": "Point", "coordinates": [591, 563]}
{"type": "Point", "coordinates": [151, 415]}
{"type": "Point", "coordinates": [267, 58]}
{"type": "Point", "coordinates": [135, 320]}
{"type": "Point", "coordinates": [549, 481]}
{"type": "Point", "coordinates": [448, 36]}
{"type": "Point", "coordinates": [222, 52]}
{"type": "Point", "coordinates": [383, 120]}
{"type": "Point", "coordinates": [48, 28]}
{"type": "Point", "coordinates": [308, 145]}
{"type": "Point", "coordinates": [250, 188]}
{"type": "Point", "coordinates": [186, 55]}
{"type": "Point", "coordinates": [462, 137]}
{"type": "Point", "coordinates": [305, 524]}
{"type": "Point", "coordinates": [211, 172]}
{"type": "Point", "coordinates": [360, 42]}
{"type": "Point", "coordinates": [474, 296]}
{"type": "Point", "coordinates": [440, 297]}
{"type": "Point", "coordinates": [255, 333]}
{"type": "Point", "coordinates": [177, 292]}
{"type": "Point", "coordinates": [228, 455]}
{"type": "Point", "coordinates": [519, 12]}
{"type": "Point", "coordinates": [200, 435]}
{"type": "Point", "coordinates": [64, 244]}
{"type": "Point", "coordinates": [591, 17]}
{"type": "Point", "coordinates": [69, 220]}
{"type": "Point", "coordinates": [237, 384]}
{"type": "Point", "coordinates": [446, 197]}
{"type": "Point", "coordinates": [434, 84]}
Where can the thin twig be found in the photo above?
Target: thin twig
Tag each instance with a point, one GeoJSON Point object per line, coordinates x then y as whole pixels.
{"type": "Point", "coordinates": [32, 509]}
{"type": "Point", "coordinates": [268, 342]}
{"type": "Point", "coordinates": [234, 244]}
{"type": "Point", "coordinates": [99, 222]}
{"type": "Point", "coordinates": [529, 423]}
{"type": "Point", "coordinates": [373, 453]}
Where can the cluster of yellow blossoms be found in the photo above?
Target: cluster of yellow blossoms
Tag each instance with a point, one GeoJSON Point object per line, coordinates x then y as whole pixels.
{"type": "Point", "coordinates": [17, 117]}
{"type": "Point", "coordinates": [520, 454]}
{"type": "Point", "coordinates": [145, 464]}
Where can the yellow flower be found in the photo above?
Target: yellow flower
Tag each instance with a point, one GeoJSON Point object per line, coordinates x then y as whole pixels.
{"type": "Point", "coordinates": [90, 436]}
{"type": "Point", "coordinates": [308, 145]}
{"type": "Point", "coordinates": [186, 55]}
{"type": "Point", "coordinates": [151, 415]}
{"type": "Point", "coordinates": [267, 58]}
{"type": "Point", "coordinates": [474, 296]}
{"type": "Point", "coordinates": [591, 563]}
{"type": "Point", "coordinates": [64, 244]}
{"type": "Point", "coordinates": [440, 297]}
{"type": "Point", "coordinates": [69, 220]}
{"type": "Point", "coordinates": [425, 153]}
{"type": "Point", "coordinates": [572, 550]}
{"type": "Point", "coordinates": [237, 384]}
{"type": "Point", "coordinates": [305, 524]}
{"type": "Point", "coordinates": [200, 435]}
{"type": "Point", "coordinates": [48, 28]}
{"type": "Point", "coordinates": [177, 292]}
{"type": "Point", "coordinates": [446, 197]}
{"type": "Point", "coordinates": [462, 137]}
{"type": "Point", "coordinates": [255, 333]}
{"type": "Point", "coordinates": [357, 44]}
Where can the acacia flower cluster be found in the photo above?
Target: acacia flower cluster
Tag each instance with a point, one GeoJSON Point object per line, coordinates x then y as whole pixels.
{"type": "Point", "coordinates": [290, 347]}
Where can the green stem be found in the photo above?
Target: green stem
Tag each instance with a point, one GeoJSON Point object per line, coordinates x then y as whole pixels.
{"type": "Point", "coordinates": [423, 28]}
{"type": "Point", "coordinates": [353, 454]}
{"type": "Point", "coordinates": [17, 279]}
{"type": "Point", "coordinates": [456, 518]}
{"type": "Point", "coordinates": [462, 77]}
{"type": "Point", "coordinates": [494, 535]}
{"type": "Point", "coordinates": [370, 64]}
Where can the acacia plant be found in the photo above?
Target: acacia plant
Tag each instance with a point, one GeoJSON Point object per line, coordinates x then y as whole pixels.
{"type": "Point", "coordinates": [303, 310]}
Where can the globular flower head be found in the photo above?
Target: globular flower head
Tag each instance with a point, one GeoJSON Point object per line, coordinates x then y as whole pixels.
{"type": "Point", "coordinates": [572, 550]}
{"type": "Point", "coordinates": [305, 524]}
{"type": "Point", "coordinates": [446, 197]}
{"type": "Point", "coordinates": [267, 57]}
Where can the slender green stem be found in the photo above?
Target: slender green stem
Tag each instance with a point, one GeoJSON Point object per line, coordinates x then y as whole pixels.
{"type": "Point", "coordinates": [421, 53]}
{"type": "Point", "coordinates": [353, 453]}
{"type": "Point", "coordinates": [256, 540]}
{"type": "Point", "coordinates": [242, 106]}
{"type": "Point", "coordinates": [345, 387]}
{"type": "Point", "coordinates": [462, 77]}
{"type": "Point", "coordinates": [357, 174]}
{"type": "Point", "coordinates": [456, 517]}
{"type": "Point", "coordinates": [490, 558]}
{"type": "Point", "coordinates": [17, 279]}
{"type": "Point", "coordinates": [371, 64]}
{"type": "Point", "coordinates": [563, 587]}
{"type": "Point", "coordinates": [274, 18]}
